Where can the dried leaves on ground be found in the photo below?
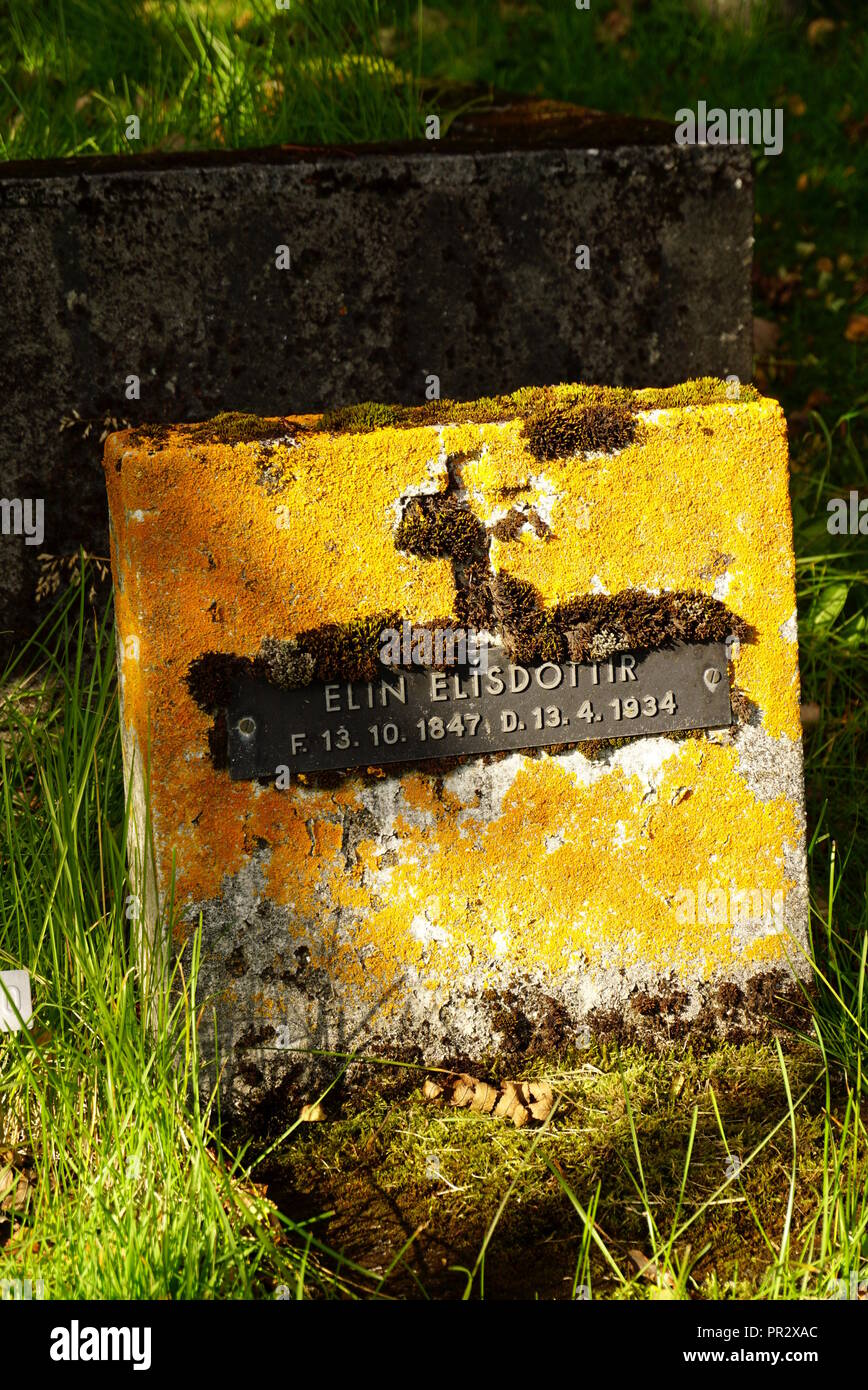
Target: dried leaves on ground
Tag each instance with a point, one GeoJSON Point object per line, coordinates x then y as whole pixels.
{"type": "Point", "coordinates": [519, 1101]}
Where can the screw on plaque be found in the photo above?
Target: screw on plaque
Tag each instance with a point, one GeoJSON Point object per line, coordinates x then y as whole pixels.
{"type": "Point", "coordinates": [247, 726]}
{"type": "Point", "coordinates": [711, 676]}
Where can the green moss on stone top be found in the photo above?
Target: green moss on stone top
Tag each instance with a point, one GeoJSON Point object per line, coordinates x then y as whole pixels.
{"type": "Point", "coordinates": [595, 415]}
{"type": "Point", "coordinates": [232, 427]}
{"type": "Point", "coordinates": [359, 419]}
{"type": "Point", "coordinates": [533, 403]}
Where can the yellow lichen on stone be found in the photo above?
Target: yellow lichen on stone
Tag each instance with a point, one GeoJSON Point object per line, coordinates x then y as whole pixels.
{"type": "Point", "coordinates": [577, 872]}
{"type": "Point", "coordinates": [216, 561]}
{"type": "Point", "coordinates": [552, 867]}
{"type": "Point", "coordinates": [702, 504]}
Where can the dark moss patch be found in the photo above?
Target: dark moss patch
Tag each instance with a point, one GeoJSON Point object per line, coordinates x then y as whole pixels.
{"type": "Point", "coordinates": [729, 998]}
{"type": "Point", "coordinates": [639, 621]}
{"type": "Point", "coordinates": [744, 709]}
{"type": "Point", "coordinates": [473, 601]}
{"type": "Point", "coordinates": [144, 435]}
{"type": "Point", "coordinates": [594, 626]}
{"type": "Point", "coordinates": [773, 995]}
{"type": "Point", "coordinates": [347, 651]}
{"type": "Point", "coordinates": [558, 431]}
{"type": "Point", "coordinates": [533, 1025]}
{"type": "Point", "coordinates": [770, 1004]}
{"type": "Point", "coordinates": [515, 601]}
{"type": "Point", "coordinates": [529, 631]}
{"type": "Point", "coordinates": [438, 527]}
{"type": "Point", "coordinates": [509, 1020]}
{"type": "Point", "coordinates": [672, 1002]}
{"type": "Point", "coordinates": [210, 678]}
{"type": "Point", "coordinates": [509, 527]}
{"type": "Point", "coordinates": [590, 627]}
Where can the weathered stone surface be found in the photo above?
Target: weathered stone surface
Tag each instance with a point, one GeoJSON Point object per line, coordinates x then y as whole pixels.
{"type": "Point", "coordinates": [453, 257]}
{"type": "Point", "coordinates": [499, 904]}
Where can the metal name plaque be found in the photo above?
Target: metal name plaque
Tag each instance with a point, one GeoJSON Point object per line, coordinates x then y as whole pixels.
{"type": "Point", "coordinates": [408, 715]}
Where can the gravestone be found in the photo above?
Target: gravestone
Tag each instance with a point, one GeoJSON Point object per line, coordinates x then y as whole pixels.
{"type": "Point", "coordinates": [472, 730]}
{"type": "Point", "coordinates": [168, 287]}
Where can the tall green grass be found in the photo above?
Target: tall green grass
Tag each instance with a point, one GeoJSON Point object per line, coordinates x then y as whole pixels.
{"type": "Point", "coordinates": [198, 75]}
{"type": "Point", "coordinates": [123, 1187]}
{"type": "Point", "coordinates": [824, 1256]}
{"type": "Point", "coordinates": [832, 585]}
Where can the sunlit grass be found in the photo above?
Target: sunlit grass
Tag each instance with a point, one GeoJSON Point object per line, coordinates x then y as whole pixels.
{"type": "Point", "coordinates": [72, 72]}
{"type": "Point", "coordinates": [121, 1182]}
{"type": "Point", "coordinates": [121, 1186]}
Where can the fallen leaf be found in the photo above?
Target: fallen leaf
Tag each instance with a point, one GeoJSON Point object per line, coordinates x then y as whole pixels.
{"type": "Point", "coordinates": [310, 1113]}
{"type": "Point", "coordinates": [388, 41]}
{"type": "Point", "coordinates": [614, 27]}
{"type": "Point", "coordinates": [797, 105]}
{"type": "Point", "coordinates": [510, 1106]}
{"type": "Point", "coordinates": [857, 131]}
{"type": "Point", "coordinates": [432, 21]}
{"type": "Point", "coordinates": [819, 29]}
{"type": "Point", "coordinates": [777, 290]}
{"type": "Point", "coordinates": [539, 1099]}
{"type": "Point", "coordinates": [765, 337]}
{"type": "Point", "coordinates": [647, 1269]}
{"type": "Point", "coordinates": [476, 1095]}
{"type": "Point", "coordinates": [825, 265]}
{"type": "Point", "coordinates": [15, 1189]}
{"type": "Point", "coordinates": [519, 1101]}
{"type": "Point", "coordinates": [857, 328]}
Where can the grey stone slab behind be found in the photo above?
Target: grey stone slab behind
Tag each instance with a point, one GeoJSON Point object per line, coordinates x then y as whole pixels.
{"type": "Point", "coordinates": [452, 257]}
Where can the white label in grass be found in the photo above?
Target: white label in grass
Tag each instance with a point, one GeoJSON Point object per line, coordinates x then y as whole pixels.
{"type": "Point", "coordinates": [14, 996]}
